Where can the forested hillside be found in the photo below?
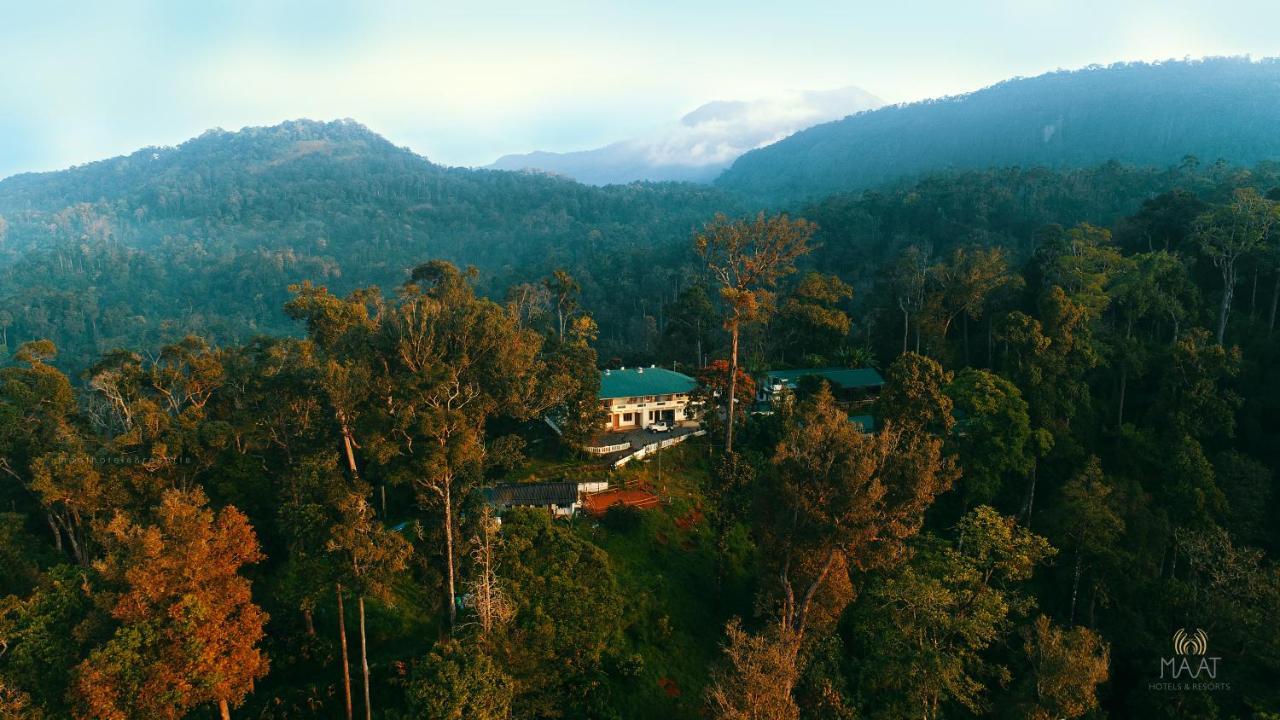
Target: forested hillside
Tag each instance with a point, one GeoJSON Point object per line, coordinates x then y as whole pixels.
{"type": "Point", "coordinates": [207, 236]}
{"type": "Point", "coordinates": [1135, 113]}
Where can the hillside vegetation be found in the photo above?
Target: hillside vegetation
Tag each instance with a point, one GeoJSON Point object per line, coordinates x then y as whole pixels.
{"type": "Point", "coordinates": [1142, 114]}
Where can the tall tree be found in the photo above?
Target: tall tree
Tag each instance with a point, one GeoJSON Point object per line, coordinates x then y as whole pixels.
{"type": "Point", "coordinates": [746, 258]}
{"type": "Point", "coordinates": [937, 616]}
{"type": "Point", "coordinates": [844, 498]}
{"type": "Point", "coordinates": [1231, 232]}
{"type": "Point", "coordinates": [189, 629]}
{"type": "Point", "coordinates": [372, 555]}
{"type": "Point", "coordinates": [757, 676]}
{"type": "Point", "coordinates": [812, 321]}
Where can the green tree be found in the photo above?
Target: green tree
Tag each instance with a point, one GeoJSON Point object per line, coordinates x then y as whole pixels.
{"type": "Point", "coordinates": [1065, 669]}
{"type": "Point", "coordinates": [812, 320]}
{"type": "Point", "coordinates": [937, 617]}
{"type": "Point", "coordinates": [1089, 521]}
{"type": "Point", "coordinates": [458, 681]}
{"type": "Point", "coordinates": [1228, 233]}
{"type": "Point", "coordinates": [844, 498]}
{"type": "Point", "coordinates": [992, 434]}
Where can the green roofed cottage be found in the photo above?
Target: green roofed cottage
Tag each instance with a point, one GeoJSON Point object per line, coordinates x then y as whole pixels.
{"type": "Point", "coordinates": [637, 397]}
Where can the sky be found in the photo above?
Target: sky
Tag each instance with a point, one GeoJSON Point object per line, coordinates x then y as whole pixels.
{"type": "Point", "coordinates": [466, 82]}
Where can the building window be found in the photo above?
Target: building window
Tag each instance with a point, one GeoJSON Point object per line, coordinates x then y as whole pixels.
{"type": "Point", "coordinates": [626, 417]}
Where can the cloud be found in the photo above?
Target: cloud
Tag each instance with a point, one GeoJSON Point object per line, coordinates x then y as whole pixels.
{"type": "Point", "coordinates": [718, 132]}
{"type": "Point", "coordinates": [702, 142]}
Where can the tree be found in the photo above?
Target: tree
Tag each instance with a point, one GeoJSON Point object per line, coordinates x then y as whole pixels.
{"type": "Point", "coordinates": [993, 435]}
{"type": "Point", "coordinates": [493, 606]}
{"type": "Point", "coordinates": [1229, 232]}
{"type": "Point", "coordinates": [458, 681]}
{"type": "Point", "coordinates": [456, 361]}
{"type": "Point", "coordinates": [564, 292]}
{"type": "Point", "coordinates": [691, 322]}
{"type": "Point", "coordinates": [845, 497]}
{"type": "Point", "coordinates": [746, 259]}
{"type": "Point", "coordinates": [758, 674]}
{"type": "Point", "coordinates": [568, 617]}
{"type": "Point", "coordinates": [812, 321]}
{"type": "Point", "coordinates": [963, 284]}
{"type": "Point", "coordinates": [914, 396]}
{"type": "Point", "coordinates": [42, 448]}
{"type": "Point", "coordinates": [373, 556]}
{"type": "Point", "coordinates": [714, 379]}
{"type": "Point", "coordinates": [1090, 523]}
{"type": "Point", "coordinates": [45, 633]}
{"type": "Point", "coordinates": [909, 277]}
{"type": "Point", "coordinates": [342, 329]}
{"type": "Point", "coordinates": [936, 617]}
{"type": "Point", "coordinates": [189, 629]}
{"type": "Point", "coordinates": [1066, 668]}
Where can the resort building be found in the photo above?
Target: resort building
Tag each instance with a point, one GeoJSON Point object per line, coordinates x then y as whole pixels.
{"type": "Point", "coordinates": [638, 397]}
{"type": "Point", "coordinates": [849, 384]}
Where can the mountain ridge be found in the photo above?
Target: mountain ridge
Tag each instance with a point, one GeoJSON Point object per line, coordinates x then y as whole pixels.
{"type": "Point", "coordinates": [1140, 113]}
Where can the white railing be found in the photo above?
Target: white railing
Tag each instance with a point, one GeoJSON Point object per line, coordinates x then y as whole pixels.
{"type": "Point", "coordinates": [651, 448]}
{"type": "Point", "coordinates": [606, 449]}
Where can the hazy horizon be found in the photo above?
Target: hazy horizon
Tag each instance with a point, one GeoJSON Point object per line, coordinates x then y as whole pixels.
{"type": "Point", "coordinates": [465, 88]}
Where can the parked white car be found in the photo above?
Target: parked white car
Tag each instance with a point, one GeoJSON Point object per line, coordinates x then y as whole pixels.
{"type": "Point", "coordinates": [659, 427]}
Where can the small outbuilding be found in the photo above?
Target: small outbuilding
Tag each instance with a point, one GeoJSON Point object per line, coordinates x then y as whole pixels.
{"type": "Point", "coordinates": [560, 498]}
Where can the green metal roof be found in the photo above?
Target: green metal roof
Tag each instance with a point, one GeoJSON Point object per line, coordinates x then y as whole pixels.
{"type": "Point", "coordinates": [840, 378]}
{"type": "Point", "coordinates": [634, 382]}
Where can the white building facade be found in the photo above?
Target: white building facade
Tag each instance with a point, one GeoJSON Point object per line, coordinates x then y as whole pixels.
{"type": "Point", "coordinates": [638, 397]}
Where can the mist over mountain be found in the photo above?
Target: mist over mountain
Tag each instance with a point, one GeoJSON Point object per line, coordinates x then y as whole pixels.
{"type": "Point", "coordinates": [702, 143]}
{"type": "Point", "coordinates": [1145, 114]}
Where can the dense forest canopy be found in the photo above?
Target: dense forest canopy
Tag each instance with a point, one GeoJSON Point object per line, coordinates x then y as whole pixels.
{"type": "Point", "coordinates": [141, 250]}
{"type": "Point", "coordinates": [1139, 113]}
{"type": "Point", "coordinates": [205, 237]}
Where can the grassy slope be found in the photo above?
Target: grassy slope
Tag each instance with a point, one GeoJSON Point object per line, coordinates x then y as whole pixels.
{"type": "Point", "coordinates": [666, 568]}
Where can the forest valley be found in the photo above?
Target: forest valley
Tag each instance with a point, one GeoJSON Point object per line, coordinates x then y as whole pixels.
{"type": "Point", "coordinates": [1072, 459]}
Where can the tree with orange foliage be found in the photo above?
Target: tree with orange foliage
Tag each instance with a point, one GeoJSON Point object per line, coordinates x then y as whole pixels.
{"type": "Point", "coordinates": [715, 378]}
{"type": "Point", "coordinates": [189, 629]}
{"type": "Point", "coordinates": [747, 258]}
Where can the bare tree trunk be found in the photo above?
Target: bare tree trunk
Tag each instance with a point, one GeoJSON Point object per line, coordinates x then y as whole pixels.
{"type": "Point", "coordinates": [906, 329]}
{"type": "Point", "coordinates": [364, 662]}
{"type": "Point", "coordinates": [346, 663]}
{"type": "Point", "coordinates": [1031, 498]}
{"type": "Point", "coordinates": [1228, 292]}
{"type": "Point", "coordinates": [1124, 382]}
{"type": "Point", "coordinates": [224, 710]}
{"type": "Point", "coordinates": [733, 386]}
{"type": "Point", "coordinates": [1253, 296]}
{"type": "Point", "coordinates": [57, 534]}
{"type": "Point", "coordinates": [1075, 585]}
{"type": "Point", "coordinates": [448, 548]}
{"type": "Point", "coordinates": [1275, 300]}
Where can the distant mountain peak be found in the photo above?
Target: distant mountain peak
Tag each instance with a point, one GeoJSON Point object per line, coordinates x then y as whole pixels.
{"type": "Point", "coordinates": [1139, 113]}
{"type": "Point", "coordinates": [702, 142]}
